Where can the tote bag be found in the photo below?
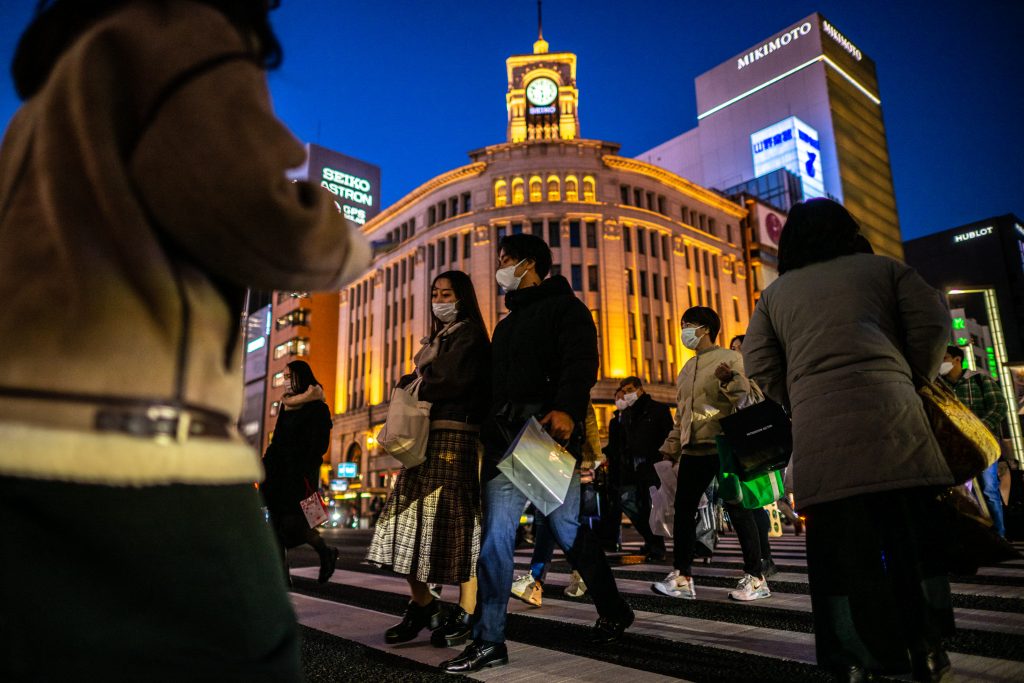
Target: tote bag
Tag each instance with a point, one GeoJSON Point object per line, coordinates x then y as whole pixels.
{"type": "Point", "coordinates": [407, 428]}
{"type": "Point", "coordinates": [751, 494]}
{"type": "Point", "coordinates": [761, 438]}
{"type": "Point", "coordinates": [539, 467]}
{"type": "Point", "coordinates": [966, 443]}
{"type": "Point", "coordinates": [313, 507]}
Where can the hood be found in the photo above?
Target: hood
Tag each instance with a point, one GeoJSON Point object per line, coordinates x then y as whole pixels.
{"type": "Point", "coordinates": [555, 285]}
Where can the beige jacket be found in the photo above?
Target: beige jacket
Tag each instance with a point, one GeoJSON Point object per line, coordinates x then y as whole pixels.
{"type": "Point", "coordinates": [141, 189]}
{"type": "Point", "coordinates": [701, 401]}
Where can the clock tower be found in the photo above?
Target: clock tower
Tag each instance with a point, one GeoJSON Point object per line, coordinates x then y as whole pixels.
{"type": "Point", "coordinates": [542, 97]}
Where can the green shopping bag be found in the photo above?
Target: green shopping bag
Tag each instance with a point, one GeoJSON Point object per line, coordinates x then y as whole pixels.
{"type": "Point", "coordinates": [752, 494]}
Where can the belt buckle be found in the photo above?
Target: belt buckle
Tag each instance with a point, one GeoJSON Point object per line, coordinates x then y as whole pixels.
{"type": "Point", "coordinates": [181, 418]}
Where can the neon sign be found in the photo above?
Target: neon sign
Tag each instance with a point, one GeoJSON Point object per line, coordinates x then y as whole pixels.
{"type": "Point", "coordinates": [771, 46]}
{"type": "Point", "coordinates": [973, 234]}
{"type": "Point", "coordinates": [793, 145]}
{"type": "Point", "coordinates": [830, 30]}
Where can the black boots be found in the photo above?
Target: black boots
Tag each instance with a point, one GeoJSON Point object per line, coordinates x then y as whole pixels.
{"type": "Point", "coordinates": [328, 560]}
{"type": "Point", "coordinates": [415, 620]}
{"type": "Point", "coordinates": [455, 630]}
{"type": "Point", "coordinates": [931, 666]}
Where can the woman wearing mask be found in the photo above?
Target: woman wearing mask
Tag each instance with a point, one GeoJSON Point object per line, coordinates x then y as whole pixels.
{"type": "Point", "coordinates": [866, 467]}
{"type": "Point", "coordinates": [708, 389]}
{"type": "Point", "coordinates": [302, 435]}
{"type": "Point", "coordinates": [429, 529]}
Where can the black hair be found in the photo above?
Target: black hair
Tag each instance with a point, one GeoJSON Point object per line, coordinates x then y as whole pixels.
{"type": "Point", "coordinates": [302, 377]}
{"type": "Point", "coordinates": [955, 351]}
{"type": "Point", "coordinates": [738, 338]}
{"type": "Point", "coordinates": [635, 381]}
{"type": "Point", "coordinates": [525, 246]}
{"type": "Point", "coordinates": [465, 294]}
{"type": "Point", "coordinates": [705, 317]}
{"type": "Point", "coordinates": [817, 230]}
{"type": "Point", "coordinates": [57, 24]}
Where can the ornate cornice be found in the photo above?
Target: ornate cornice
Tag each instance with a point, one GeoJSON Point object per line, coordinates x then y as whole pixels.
{"type": "Point", "coordinates": [674, 181]}
{"type": "Point", "coordinates": [461, 173]}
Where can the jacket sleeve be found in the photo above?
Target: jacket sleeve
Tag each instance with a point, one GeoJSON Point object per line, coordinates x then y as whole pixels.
{"type": "Point", "coordinates": [671, 448]}
{"type": "Point", "coordinates": [763, 358]}
{"type": "Point", "coordinates": [576, 357]}
{"type": "Point", "coordinates": [924, 320]}
{"type": "Point", "coordinates": [739, 386]}
{"type": "Point", "coordinates": [210, 169]}
{"type": "Point", "coordinates": [995, 404]}
{"type": "Point", "coordinates": [456, 370]}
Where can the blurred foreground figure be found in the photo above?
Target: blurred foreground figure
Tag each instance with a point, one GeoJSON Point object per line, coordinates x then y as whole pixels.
{"type": "Point", "coordinates": [142, 188]}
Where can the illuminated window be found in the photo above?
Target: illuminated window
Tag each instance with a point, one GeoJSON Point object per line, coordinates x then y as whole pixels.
{"type": "Point", "coordinates": [299, 316]}
{"type": "Point", "coordinates": [500, 193]}
{"type": "Point", "coordinates": [536, 193]}
{"type": "Point", "coordinates": [517, 190]}
{"type": "Point", "coordinates": [278, 380]}
{"type": "Point", "coordinates": [554, 189]}
{"type": "Point", "coordinates": [275, 408]}
{"type": "Point", "coordinates": [589, 194]}
{"type": "Point", "coordinates": [297, 346]}
{"type": "Point", "coordinates": [572, 193]}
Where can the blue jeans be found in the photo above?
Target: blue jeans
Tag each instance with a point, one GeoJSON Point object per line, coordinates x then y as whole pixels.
{"type": "Point", "coordinates": [543, 547]}
{"type": "Point", "coordinates": [502, 505]}
{"type": "Point", "coordinates": [989, 480]}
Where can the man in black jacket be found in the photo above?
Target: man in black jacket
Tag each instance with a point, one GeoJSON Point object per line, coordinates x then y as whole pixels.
{"type": "Point", "coordinates": [544, 361]}
{"type": "Point", "coordinates": [643, 427]}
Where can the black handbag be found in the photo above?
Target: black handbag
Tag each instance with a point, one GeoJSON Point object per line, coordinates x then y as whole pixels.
{"type": "Point", "coordinates": [761, 438]}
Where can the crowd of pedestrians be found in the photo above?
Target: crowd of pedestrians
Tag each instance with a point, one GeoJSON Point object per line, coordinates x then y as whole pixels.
{"type": "Point", "coordinates": [181, 169]}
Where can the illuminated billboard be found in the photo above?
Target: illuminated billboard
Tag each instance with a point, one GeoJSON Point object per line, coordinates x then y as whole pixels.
{"type": "Point", "coordinates": [355, 184]}
{"type": "Point", "coordinates": [793, 145]}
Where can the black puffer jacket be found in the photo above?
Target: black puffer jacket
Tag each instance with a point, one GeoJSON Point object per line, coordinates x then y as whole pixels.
{"type": "Point", "coordinates": [644, 427]}
{"type": "Point", "coordinates": [457, 381]}
{"type": "Point", "coordinates": [294, 456]}
{"type": "Point", "coordinates": [544, 356]}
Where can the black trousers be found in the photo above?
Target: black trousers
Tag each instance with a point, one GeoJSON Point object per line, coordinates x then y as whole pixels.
{"type": "Point", "coordinates": [752, 531]}
{"type": "Point", "coordinates": [879, 587]}
{"type": "Point", "coordinates": [635, 501]}
{"type": "Point", "coordinates": [696, 473]}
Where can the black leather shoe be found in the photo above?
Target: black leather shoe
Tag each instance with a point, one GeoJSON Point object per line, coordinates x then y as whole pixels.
{"type": "Point", "coordinates": [856, 674]}
{"type": "Point", "coordinates": [328, 561]}
{"type": "Point", "coordinates": [654, 557]}
{"type": "Point", "coordinates": [455, 630]}
{"type": "Point", "coordinates": [476, 657]}
{"type": "Point", "coordinates": [609, 630]}
{"type": "Point", "coordinates": [932, 667]}
{"type": "Point", "coordinates": [415, 620]}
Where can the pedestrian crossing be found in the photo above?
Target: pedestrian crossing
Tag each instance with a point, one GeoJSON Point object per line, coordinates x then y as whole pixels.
{"type": "Point", "coordinates": [711, 638]}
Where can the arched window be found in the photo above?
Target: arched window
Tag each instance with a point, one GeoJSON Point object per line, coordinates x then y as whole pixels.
{"type": "Point", "coordinates": [517, 190]}
{"type": "Point", "coordinates": [500, 192]}
{"type": "Point", "coordinates": [572, 193]}
{"type": "Point", "coordinates": [589, 194]}
{"type": "Point", "coordinates": [554, 189]}
{"type": "Point", "coordinates": [536, 189]}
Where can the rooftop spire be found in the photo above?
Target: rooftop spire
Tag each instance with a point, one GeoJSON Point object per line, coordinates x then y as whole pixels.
{"type": "Point", "coordinates": [541, 46]}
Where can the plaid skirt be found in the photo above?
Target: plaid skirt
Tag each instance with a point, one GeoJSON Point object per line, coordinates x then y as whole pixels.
{"type": "Point", "coordinates": [429, 528]}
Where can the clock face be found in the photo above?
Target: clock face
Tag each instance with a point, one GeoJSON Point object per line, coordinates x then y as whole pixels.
{"type": "Point", "coordinates": [541, 91]}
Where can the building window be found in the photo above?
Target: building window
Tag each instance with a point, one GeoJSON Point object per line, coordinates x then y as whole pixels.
{"type": "Point", "coordinates": [536, 189]}
{"type": "Point", "coordinates": [655, 287]}
{"type": "Point", "coordinates": [296, 346]}
{"type": "Point", "coordinates": [431, 215]}
{"type": "Point", "coordinates": [430, 256]}
{"type": "Point", "coordinates": [554, 234]}
{"type": "Point", "coordinates": [686, 255]}
{"type": "Point", "coordinates": [500, 193]}
{"type": "Point", "coordinates": [632, 331]}
{"type": "Point", "coordinates": [577, 277]}
{"type": "Point", "coordinates": [624, 194]}
{"type": "Point", "coordinates": [643, 283]}
{"type": "Point", "coordinates": [660, 330]}
{"type": "Point", "coordinates": [711, 225]}
{"type": "Point", "coordinates": [277, 380]}
{"type": "Point", "coordinates": [736, 308]}
{"type": "Point", "coordinates": [517, 191]}
{"type": "Point", "coordinates": [275, 408]}
{"type": "Point", "coordinates": [702, 220]}
{"type": "Point", "coordinates": [627, 238]}
{"type": "Point", "coordinates": [728, 233]}
{"type": "Point", "coordinates": [572, 193]}
{"type": "Point", "coordinates": [651, 203]}
{"type": "Point", "coordinates": [556, 270]}
{"type": "Point", "coordinates": [589, 190]}
{"type": "Point", "coordinates": [638, 197]}
{"type": "Point", "coordinates": [554, 189]}
{"type": "Point", "coordinates": [641, 240]}
{"type": "Point", "coordinates": [654, 244]}
{"type": "Point", "coordinates": [629, 282]}
{"type": "Point", "coordinates": [661, 371]}
{"type": "Point", "coordinates": [467, 245]}
{"type": "Point", "coordinates": [440, 252]}
{"type": "Point", "coordinates": [300, 316]}
{"type": "Point", "coordinates": [591, 235]}
{"type": "Point", "coordinates": [683, 213]}
{"type": "Point", "coordinates": [664, 248]}
{"type": "Point", "coordinates": [661, 205]}
{"type": "Point", "coordinates": [696, 260]}
{"type": "Point", "coordinates": [453, 248]}
{"type": "Point", "coordinates": [647, 327]}
{"type": "Point", "coordinates": [593, 284]}
{"type": "Point", "coordinates": [574, 233]}
{"type": "Point", "coordinates": [467, 202]}
{"type": "Point", "coordinates": [442, 212]}
{"type": "Point", "coordinates": [707, 265]}
{"type": "Point", "coordinates": [537, 228]}
{"type": "Point", "coordinates": [668, 290]}
{"type": "Point", "coordinates": [453, 206]}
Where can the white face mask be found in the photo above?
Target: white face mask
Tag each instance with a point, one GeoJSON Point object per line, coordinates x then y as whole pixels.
{"type": "Point", "coordinates": [621, 404]}
{"type": "Point", "coordinates": [507, 277]}
{"type": "Point", "coordinates": [630, 398]}
{"type": "Point", "coordinates": [945, 368]}
{"type": "Point", "coordinates": [690, 337]}
{"type": "Point", "coordinates": [446, 312]}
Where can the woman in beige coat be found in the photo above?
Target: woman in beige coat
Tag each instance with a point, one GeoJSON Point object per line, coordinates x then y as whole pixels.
{"type": "Point", "coordinates": [837, 338]}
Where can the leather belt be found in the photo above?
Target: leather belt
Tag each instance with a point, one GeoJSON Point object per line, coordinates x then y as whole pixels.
{"type": "Point", "coordinates": [163, 423]}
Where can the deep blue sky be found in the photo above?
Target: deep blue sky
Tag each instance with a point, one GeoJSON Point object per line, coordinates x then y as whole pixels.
{"type": "Point", "coordinates": [412, 86]}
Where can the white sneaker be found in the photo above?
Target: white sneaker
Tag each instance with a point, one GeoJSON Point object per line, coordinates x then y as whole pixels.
{"type": "Point", "coordinates": [576, 587]}
{"type": "Point", "coordinates": [435, 590]}
{"type": "Point", "coordinates": [676, 586]}
{"type": "Point", "coordinates": [522, 584]}
{"type": "Point", "coordinates": [751, 588]}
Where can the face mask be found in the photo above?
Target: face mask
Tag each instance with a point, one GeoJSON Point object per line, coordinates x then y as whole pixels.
{"type": "Point", "coordinates": [621, 404]}
{"type": "Point", "coordinates": [630, 398]}
{"type": "Point", "coordinates": [690, 337]}
{"type": "Point", "coordinates": [446, 312]}
{"type": "Point", "coordinates": [507, 277]}
{"type": "Point", "coordinates": [945, 368]}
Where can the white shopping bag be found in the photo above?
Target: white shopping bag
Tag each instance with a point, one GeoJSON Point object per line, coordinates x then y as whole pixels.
{"type": "Point", "coordinates": [663, 499]}
{"type": "Point", "coordinates": [539, 467]}
{"type": "Point", "coordinates": [314, 509]}
{"type": "Point", "coordinates": [407, 427]}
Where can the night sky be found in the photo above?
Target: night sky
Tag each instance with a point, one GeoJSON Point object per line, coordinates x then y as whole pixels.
{"type": "Point", "coordinates": [412, 86]}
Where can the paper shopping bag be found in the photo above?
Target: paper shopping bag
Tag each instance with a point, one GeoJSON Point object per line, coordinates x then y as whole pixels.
{"type": "Point", "coordinates": [314, 509]}
{"type": "Point", "coordinates": [539, 467]}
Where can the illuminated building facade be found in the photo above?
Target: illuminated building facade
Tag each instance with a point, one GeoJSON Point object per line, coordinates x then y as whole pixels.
{"type": "Point", "coordinates": [980, 267]}
{"type": "Point", "coordinates": [637, 243]}
{"type": "Point", "coordinates": [806, 100]}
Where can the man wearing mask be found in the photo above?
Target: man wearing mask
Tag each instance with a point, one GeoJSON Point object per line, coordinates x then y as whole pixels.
{"type": "Point", "coordinates": [981, 394]}
{"type": "Point", "coordinates": [644, 425]}
{"type": "Point", "coordinates": [544, 364]}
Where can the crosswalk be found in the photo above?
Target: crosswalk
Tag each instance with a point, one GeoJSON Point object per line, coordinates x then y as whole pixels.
{"type": "Point", "coordinates": [710, 639]}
